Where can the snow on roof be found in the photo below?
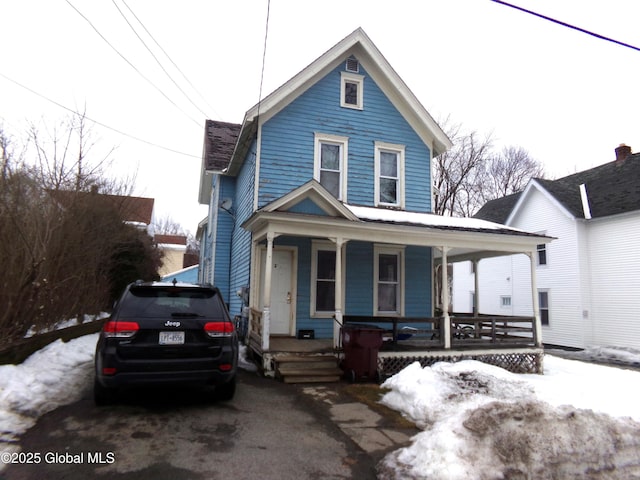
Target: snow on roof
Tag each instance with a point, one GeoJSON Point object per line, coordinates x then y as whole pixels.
{"type": "Point", "coordinates": [426, 219]}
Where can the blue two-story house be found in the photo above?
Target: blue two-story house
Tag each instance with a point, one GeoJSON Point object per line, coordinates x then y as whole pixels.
{"type": "Point", "coordinates": [320, 202]}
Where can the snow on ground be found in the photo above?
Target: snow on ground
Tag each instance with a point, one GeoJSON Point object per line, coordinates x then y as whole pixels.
{"type": "Point", "coordinates": [58, 374]}
{"type": "Point", "coordinates": [578, 421]}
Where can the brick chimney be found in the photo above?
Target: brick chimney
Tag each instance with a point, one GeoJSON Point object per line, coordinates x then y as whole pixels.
{"type": "Point", "coordinates": [622, 152]}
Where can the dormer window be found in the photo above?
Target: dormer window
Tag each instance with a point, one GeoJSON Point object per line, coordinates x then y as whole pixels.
{"type": "Point", "coordinates": [351, 91]}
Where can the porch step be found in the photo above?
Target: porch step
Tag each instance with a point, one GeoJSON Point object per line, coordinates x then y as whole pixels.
{"type": "Point", "coordinates": [308, 369]}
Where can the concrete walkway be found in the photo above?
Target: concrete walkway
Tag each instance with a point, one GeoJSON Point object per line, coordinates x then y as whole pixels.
{"type": "Point", "coordinates": [377, 434]}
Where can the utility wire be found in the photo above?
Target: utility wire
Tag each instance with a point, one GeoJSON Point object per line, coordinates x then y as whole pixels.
{"type": "Point", "coordinates": [172, 62]}
{"type": "Point", "coordinates": [132, 65]}
{"type": "Point", "coordinates": [264, 55]}
{"type": "Point", "coordinates": [564, 24]}
{"type": "Point", "coordinates": [156, 58]}
{"type": "Point", "coordinates": [95, 121]}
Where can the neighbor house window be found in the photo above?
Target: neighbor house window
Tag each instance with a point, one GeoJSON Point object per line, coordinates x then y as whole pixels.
{"type": "Point", "coordinates": [388, 276]}
{"type": "Point", "coordinates": [330, 164]}
{"type": "Point", "coordinates": [323, 279]}
{"type": "Point", "coordinates": [351, 90]}
{"type": "Point", "coordinates": [505, 301]}
{"type": "Point", "coordinates": [543, 305]}
{"type": "Point", "coordinates": [542, 254]}
{"type": "Point", "coordinates": [389, 173]}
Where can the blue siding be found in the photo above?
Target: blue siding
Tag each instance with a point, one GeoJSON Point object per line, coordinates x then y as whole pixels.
{"type": "Point", "coordinates": [359, 283]}
{"type": "Point", "coordinates": [222, 247]}
{"type": "Point", "coordinates": [241, 239]}
{"type": "Point", "coordinates": [288, 143]}
{"type": "Point", "coordinates": [308, 207]}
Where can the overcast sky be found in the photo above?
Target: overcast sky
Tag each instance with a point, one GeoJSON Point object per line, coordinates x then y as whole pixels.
{"type": "Point", "coordinates": [566, 97]}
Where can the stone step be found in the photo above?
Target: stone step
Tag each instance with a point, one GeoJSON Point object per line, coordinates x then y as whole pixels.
{"type": "Point", "coordinates": [312, 379]}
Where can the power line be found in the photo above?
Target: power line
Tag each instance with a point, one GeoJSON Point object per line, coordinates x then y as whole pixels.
{"type": "Point", "coordinates": [172, 62]}
{"type": "Point", "coordinates": [95, 121]}
{"type": "Point", "coordinates": [132, 65]}
{"type": "Point", "coordinates": [264, 55]}
{"type": "Point", "coordinates": [564, 24]}
{"type": "Point", "coordinates": [156, 58]}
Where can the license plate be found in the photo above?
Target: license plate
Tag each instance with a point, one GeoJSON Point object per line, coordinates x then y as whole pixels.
{"type": "Point", "coordinates": [171, 338]}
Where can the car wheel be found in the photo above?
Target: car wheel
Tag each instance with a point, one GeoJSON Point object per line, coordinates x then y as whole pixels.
{"type": "Point", "coordinates": [103, 395]}
{"type": "Point", "coordinates": [226, 391]}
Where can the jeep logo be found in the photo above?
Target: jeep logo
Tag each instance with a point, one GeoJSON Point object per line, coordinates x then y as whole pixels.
{"type": "Point", "coordinates": [169, 323]}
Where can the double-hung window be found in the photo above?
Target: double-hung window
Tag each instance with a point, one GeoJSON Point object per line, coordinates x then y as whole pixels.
{"type": "Point", "coordinates": [543, 305]}
{"type": "Point", "coordinates": [389, 173]}
{"type": "Point", "coordinates": [323, 279]}
{"type": "Point", "coordinates": [330, 163]}
{"type": "Point", "coordinates": [389, 280]}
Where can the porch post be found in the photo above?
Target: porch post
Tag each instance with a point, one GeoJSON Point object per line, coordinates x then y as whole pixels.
{"type": "Point", "coordinates": [446, 326]}
{"type": "Point", "coordinates": [476, 287]}
{"type": "Point", "coordinates": [537, 329]}
{"type": "Point", "coordinates": [266, 297]}
{"type": "Point", "coordinates": [338, 293]}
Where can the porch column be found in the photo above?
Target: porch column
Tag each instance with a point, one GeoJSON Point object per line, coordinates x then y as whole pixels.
{"type": "Point", "coordinates": [537, 333]}
{"type": "Point", "coordinates": [476, 287]}
{"type": "Point", "coordinates": [338, 292]}
{"type": "Point", "coordinates": [266, 296]}
{"type": "Point", "coordinates": [446, 325]}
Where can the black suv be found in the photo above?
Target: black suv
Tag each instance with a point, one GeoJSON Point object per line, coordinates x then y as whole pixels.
{"type": "Point", "coordinates": [167, 334]}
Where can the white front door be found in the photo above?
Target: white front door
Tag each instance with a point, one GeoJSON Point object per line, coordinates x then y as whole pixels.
{"type": "Point", "coordinates": [282, 291]}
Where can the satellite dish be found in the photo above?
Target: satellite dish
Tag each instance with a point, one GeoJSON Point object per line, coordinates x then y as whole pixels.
{"type": "Point", "coordinates": [226, 204]}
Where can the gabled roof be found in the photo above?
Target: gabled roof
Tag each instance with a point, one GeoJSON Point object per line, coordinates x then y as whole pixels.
{"type": "Point", "coordinates": [612, 188]}
{"type": "Point", "coordinates": [381, 72]}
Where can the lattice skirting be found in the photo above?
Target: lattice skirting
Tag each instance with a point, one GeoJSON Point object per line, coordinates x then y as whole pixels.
{"type": "Point", "coordinates": [515, 362]}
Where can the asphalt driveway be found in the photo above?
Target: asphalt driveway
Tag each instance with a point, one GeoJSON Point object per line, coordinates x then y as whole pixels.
{"type": "Point", "coordinates": [269, 431]}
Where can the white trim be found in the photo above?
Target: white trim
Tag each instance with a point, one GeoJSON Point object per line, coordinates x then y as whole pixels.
{"type": "Point", "coordinates": [348, 77]}
{"type": "Point", "coordinates": [343, 143]}
{"type": "Point", "coordinates": [533, 184]}
{"type": "Point", "coordinates": [399, 151]}
{"type": "Point", "coordinates": [389, 250]}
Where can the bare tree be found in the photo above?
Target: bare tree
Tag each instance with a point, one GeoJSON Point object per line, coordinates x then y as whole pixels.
{"type": "Point", "coordinates": [471, 173]}
{"type": "Point", "coordinates": [455, 171]}
{"type": "Point", "coordinates": [508, 172]}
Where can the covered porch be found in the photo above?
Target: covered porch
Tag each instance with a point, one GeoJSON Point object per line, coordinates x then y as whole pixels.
{"type": "Point", "coordinates": [434, 335]}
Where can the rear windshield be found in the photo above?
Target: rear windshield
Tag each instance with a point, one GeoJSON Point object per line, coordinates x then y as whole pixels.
{"type": "Point", "coordinates": [171, 303]}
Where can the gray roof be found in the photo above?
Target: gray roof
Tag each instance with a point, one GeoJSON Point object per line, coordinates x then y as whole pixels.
{"type": "Point", "coordinates": [219, 142]}
{"type": "Point", "coordinates": [612, 188]}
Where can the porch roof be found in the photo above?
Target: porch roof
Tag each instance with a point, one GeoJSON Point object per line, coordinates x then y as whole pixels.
{"type": "Point", "coordinates": [466, 238]}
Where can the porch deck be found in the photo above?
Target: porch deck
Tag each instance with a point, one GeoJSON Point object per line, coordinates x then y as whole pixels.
{"type": "Point", "coordinates": [507, 342]}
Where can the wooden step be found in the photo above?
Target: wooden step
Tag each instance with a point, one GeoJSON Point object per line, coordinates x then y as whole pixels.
{"type": "Point", "coordinates": [308, 369]}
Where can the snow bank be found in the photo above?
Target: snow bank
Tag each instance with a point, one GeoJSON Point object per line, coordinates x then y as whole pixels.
{"type": "Point", "coordinates": [482, 422]}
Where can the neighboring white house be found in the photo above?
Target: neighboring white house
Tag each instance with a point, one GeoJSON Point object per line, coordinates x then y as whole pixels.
{"type": "Point", "coordinates": [589, 277]}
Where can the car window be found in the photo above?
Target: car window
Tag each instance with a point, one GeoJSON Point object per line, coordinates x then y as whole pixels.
{"type": "Point", "coordinates": [171, 303]}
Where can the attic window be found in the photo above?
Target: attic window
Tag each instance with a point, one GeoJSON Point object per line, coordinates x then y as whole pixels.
{"type": "Point", "coordinates": [352, 65]}
{"type": "Point", "coordinates": [351, 91]}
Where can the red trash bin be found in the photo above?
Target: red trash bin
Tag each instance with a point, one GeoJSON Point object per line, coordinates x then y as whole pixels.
{"type": "Point", "coordinates": [361, 344]}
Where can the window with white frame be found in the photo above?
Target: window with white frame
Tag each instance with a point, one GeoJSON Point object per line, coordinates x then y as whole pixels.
{"type": "Point", "coordinates": [543, 305]}
{"type": "Point", "coordinates": [323, 279]}
{"type": "Point", "coordinates": [330, 163]}
{"type": "Point", "coordinates": [389, 280]}
{"type": "Point", "coordinates": [389, 173]}
{"type": "Point", "coordinates": [351, 90]}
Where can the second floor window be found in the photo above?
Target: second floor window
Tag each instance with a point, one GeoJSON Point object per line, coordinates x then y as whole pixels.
{"type": "Point", "coordinates": [389, 187]}
{"type": "Point", "coordinates": [330, 163]}
{"type": "Point", "coordinates": [542, 254]}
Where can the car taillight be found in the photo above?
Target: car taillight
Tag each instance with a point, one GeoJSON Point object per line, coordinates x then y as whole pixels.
{"type": "Point", "coordinates": [114, 329]}
{"type": "Point", "coordinates": [218, 329]}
